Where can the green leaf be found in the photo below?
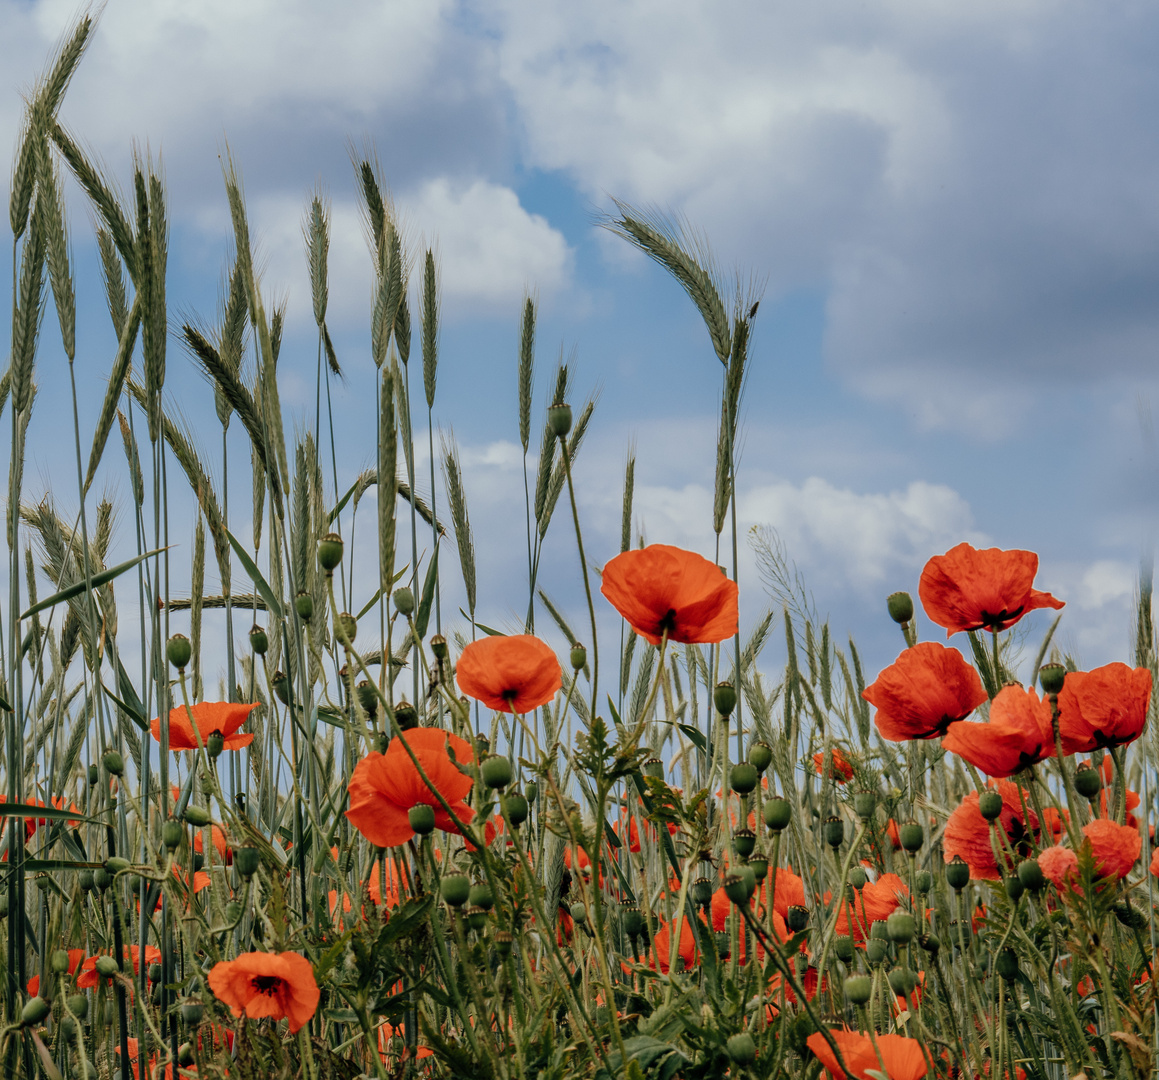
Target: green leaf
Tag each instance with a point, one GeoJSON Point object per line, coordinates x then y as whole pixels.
{"type": "Point", "coordinates": [272, 602]}
{"type": "Point", "coordinates": [696, 736]}
{"type": "Point", "coordinates": [486, 629]}
{"type": "Point", "coordinates": [49, 813]}
{"type": "Point", "coordinates": [127, 709]}
{"type": "Point", "coordinates": [423, 618]}
{"type": "Point", "coordinates": [102, 578]}
{"type": "Point", "coordinates": [34, 866]}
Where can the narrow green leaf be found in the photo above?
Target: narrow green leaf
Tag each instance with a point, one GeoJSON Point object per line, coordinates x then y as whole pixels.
{"type": "Point", "coordinates": [696, 736]}
{"type": "Point", "coordinates": [486, 629]}
{"type": "Point", "coordinates": [49, 813]}
{"type": "Point", "coordinates": [97, 580]}
{"type": "Point", "coordinates": [34, 866]}
{"type": "Point", "coordinates": [273, 604]}
{"type": "Point", "coordinates": [423, 617]}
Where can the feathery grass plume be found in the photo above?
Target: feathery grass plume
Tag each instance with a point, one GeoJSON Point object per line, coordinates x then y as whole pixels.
{"type": "Point", "coordinates": [117, 375]}
{"type": "Point", "coordinates": [27, 313]}
{"type": "Point", "coordinates": [559, 476]}
{"type": "Point", "coordinates": [36, 629]}
{"type": "Point", "coordinates": [402, 330]}
{"type": "Point", "coordinates": [626, 661]}
{"type": "Point", "coordinates": [113, 280]}
{"type": "Point", "coordinates": [103, 530]}
{"type": "Point", "coordinates": [626, 511]}
{"type": "Point", "coordinates": [300, 533]}
{"type": "Point", "coordinates": [526, 370]}
{"type": "Point", "coordinates": [5, 387]}
{"type": "Point", "coordinates": [403, 412]}
{"type": "Point", "coordinates": [197, 590]}
{"type": "Point", "coordinates": [684, 253]}
{"type": "Point", "coordinates": [149, 346]}
{"type": "Point", "coordinates": [641, 686]}
{"type": "Point", "coordinates": [231, 340]}
{"type": "Point", "coordinates": [378, 210]}
{"type": "Point", "coordinates": [319, 525]}
{"type": "Point", "coordinates": [722, 488]}
{"type": "Point", "coordinates": [379, 323]}
{"type": "Point", "coordinates": [316, 230]}
{"type": "Point", "coordinates": [218, 600]}
{"type": "Point", "coordinates": [258, 468]}
{"type": "Point", "coordinates": [429, 316]}
{"type": "Point", "coordinates": [67, 57]}
{"type": "Point", "coordinates": [76, 741]}
{"type": "Point", "coordinates": [543, 472]}
{"type": "Point", "coordinates": [277, 325]}
{"type": "Point", "coordinates": [24, 173]}
{"type": "Point", "coordinates": [133, 458]}
{"type": "Point", "coordinates": [560, 621]}
{"type": "Point", "coordinates": [56, 251]}
{"type": "Point", "coordinates": [387, 479]}
{"type": "Point", "coordinates": [457, 499]}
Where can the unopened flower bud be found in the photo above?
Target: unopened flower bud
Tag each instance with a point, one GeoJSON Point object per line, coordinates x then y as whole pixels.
{"type": "Point", "coordinates": [579, 656]}
{"type": "Point", "coordinates": [259, 642]}
{"type": "Point", "coordinates": [179, 651]}
{"type": "Point", "coordinates": [404, 600]}
{"type": "Point", "coordinates": [330, 552]}
{"type": "Point", "coordinates": [901, 607]}
{"type": "Point", "coordinates": [724, 698]}
{"type": "Point", "coordinates": [559, 419]}
{"type": "Point", "coordinates": [345, 628]}
{"type": "Point", "coordinates": [304, 606]}
{"type": "Point", "coordinates": [422, 818]}
{"type": "Point", "coordinates": [496, 771]}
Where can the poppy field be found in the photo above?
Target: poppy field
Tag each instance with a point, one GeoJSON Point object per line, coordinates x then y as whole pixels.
{"type": "Point", "coordinates": [372, 836]}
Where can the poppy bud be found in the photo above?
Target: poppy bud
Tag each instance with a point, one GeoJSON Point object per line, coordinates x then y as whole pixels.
{"type": "Point", "coordinates": [345, 627]}
{"type": "Point", "coordinates": [760, 865]}
{"type": "Point", "coordinates": [496, 771]}
{"type": "Point", "coordinates": [912, 836]}
{"type": "Point", "coordinates": [858, 989]}
{"type": "Point", "coordinates": [247, 860]}
{"type": "Point", "coordinates": [154, 974]}
{"type": "Point", "coordinates": [738, 887]}
{"type": "Point", "coordinates": [330, 552]}
{"type": "Point", "coordinates": [741, 1048]}
{"type": "Point", "coordinates": [304, 606]}
{"type": "Point", "coordinates": [930, 943]}
{"type": "Point", "coordinates": [179, 651]}
{"type": "Point", "coordinates": [743, 841]}
{"type": "Point", "coordinates": [422, 818]}
{"type": "Point", "coordinates": [923, 882]}
{"type": "Point", "coordinates": [901, 607]}
{"type": "Point", "coordinates": [1007, 965]}
{"type": "Point", "coordinates": [559, 419]}
{"type": "Point", "coordinates": [107, 966]}
{"type": "Point", "coordinates": [702, 892]}
{"type": "Point", "coordinates": [116, 865]}
{"type": "Point", "coordinates": [1030, 874]}
{"type": "Point", "coordinates": [367, 698]}
{"type": "Point", "coordinates": [517, 808]}
{"type": "Point", "coordinates": [215, 744]}
{"type": "Point", "coordinates": [900, 926]}
{"type": "Point", "coordinates": [957, 873]}
{"type": "Point", "coordinates": [531, 791]}
{"type": "Point", "coordinates": [185, 1055]}
{"type": "Point", "coordinates": [724, 698]}
{"type": "Point", "coordinates": [113, 762]}
{"type": "Point", "coordinates": [632, 920]}
{"type": "Point", "coordinates": [404, 601]}
{"type": "Point", "coordinates": [406, 717]}
{"type": "Point", "coordinates": [191, 1012]}
{"type": "Point", "coordinates": [481, 896]}
{"type": "Point", "coordinates": [455, 889]}
{"type": "Point", "coordinates": [197, 816]}
{"type": "Point", "coordinates": [439, 646]}
{"type": "Point", "coordinates": [902, 981]}
{"type": "Point", "coordinates": [198, 861]}
{"type": "Point", "coordinates": [875, 950]}
{"type": "Point", "coordinates": [1088, 783]}
{"type": "Point", "coordinates": [102, 878]}
{"type": "Point", "coordinates": [857, 877]}
{"type": "Point", "coordinates": [60, 961]}
{"type": "Point", "coordinates": [579, 912]}
{"type": "Point", "coordinates": [1051, 678]}
{"type": "Point", "coordinates": [94, 774]}
{"type": "Point", "coordinates": [743, 778]}
{"type": "Point", "coordinates": [380, 742]}
{"type": "Point", "coordinates": [990, 804]}
{"type": "Point", "coordinates": [1014, 887]}
{"type": "Point", "coordinates": [843, 948]}
{"type": "Point", "coordinates": [78, 1005]}
{"type": "Point", "coordinates": [482, 744]}
{"type": "Point", "coordinates": [760, 756]}
{"type": "Point", "coordinates": [834, 832]}
{"type": "Point", "coordinates": [1130, 916]}
{"type": "Point", "coordinates": [86, 878]}
{"type": "Point", "coordinates": [476, 918]}
{"type": "Point", "coordinates": [503, 942]}
{"type": "Point", "coordinates": [864, 803]}
{"type": "Point", "coordinates": [35, 1009]}
{"type": "Point", "coordinates": [777, 813]}
{"type": "Point", "coordinates": [281, 686]}
{"type": "Point", "coordinates": [578, 656]}
{"type": "Point", "coordinates": [258, 640]}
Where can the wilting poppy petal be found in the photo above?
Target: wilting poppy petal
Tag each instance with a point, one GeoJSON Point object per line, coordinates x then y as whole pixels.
{"type": "Point", "coordinates": [509, 674]}
{"type": "Point", "coordinates": [968, 589]}
{"type": "Point", "coordinates": [923, 692]}
{"type": "Point", "coordinates": [274, 985]}
{"type": "Point", "coordinates": [1018, 735]}
{"type": "Point", "coordinates": [209, 716]}
{"type": "Point", "coordinates": [1103, 708]}
{"type": "Point", "coordinates": [663, 588]}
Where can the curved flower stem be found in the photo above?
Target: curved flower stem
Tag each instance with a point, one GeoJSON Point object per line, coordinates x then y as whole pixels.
{"type": "Point", "coordinates": [584, 567]}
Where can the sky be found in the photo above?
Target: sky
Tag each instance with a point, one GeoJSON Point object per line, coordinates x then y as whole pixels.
{"type": "Point", "coordinates": [950, 211]}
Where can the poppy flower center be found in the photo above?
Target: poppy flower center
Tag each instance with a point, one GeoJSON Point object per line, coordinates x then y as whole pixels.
{"type": "Point", "coordinates": [668, 622]}
{"type": "Point", "coordinates": [266, 984]}
{"type": "Point", "coordinates": [999, 621]}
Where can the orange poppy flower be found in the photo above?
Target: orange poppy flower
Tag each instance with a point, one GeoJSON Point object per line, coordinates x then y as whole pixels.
{"type": "Point", "coordinates": [903, 1058]}
{"type": "Point", "coordinates": [1059, 865]}
{"type": "Point", "coordinates": [658, 951]}
{"type": "Point", "coordinates": [663, 588]}
{"type": "Point", "coordinates": [1104, 707]}
{"type": "Point", "coordinates": [788, 891]}
{"type": "Point", "coordinates": [262, 984]}
{"type": "Point", "coordinates": [967, 832]}
{"type": "Point", "coordinates": [219, 841]}
{"type": "Point", "coordinates": [1155, 862]}
{"type": "Point", "coordinates": [1115, 847]}
{"type": "Point", "coordinates": [875, 902]}
{"type": "Point", "coordinates": [968, 589]}
{"type": "Point", "coordinates": [384, 787]}
{"type": "Point", "coordinates": [209, 716]}
{"type": "Point", "coordinates": [840, 770]}
{"type": "Point", "coordinates": [509, 674]}
{"type": "Point", "coordinates": [88, 979]}
{"type": "Point", "coordinates": [923, 692]}
{"type": "Point", "coordinates": [1018, 735]}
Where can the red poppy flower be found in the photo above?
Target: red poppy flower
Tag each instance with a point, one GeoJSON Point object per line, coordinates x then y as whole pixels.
{"type": "Point", "coordinates": [659, 951]}
{"type": "Point", "coordinates": [967, 832]}
{"type": "Point", "coordinates": [220, 843]}
{"type": "Point", "coordinates": [1059, 865]}
{"type": "Point", "coordinates": [662, 588]}
{"type": "Point", "coordinates": [262, 984]}
{"type": "Point", "coordinates": [1105, 707]}
{"type": "Point", "coordinates": [903, 1058]}
{"type": "Point", "coordinates": [875, 902]}
{"type": "Point", "coordinates": [1018, 735]}
{"type": "Point", "coordinates": [923, 692]}
{"type": "Point", "coordinates": [75, 958]}
{"type": "Point", "coordinates": [209, 716]}
{"type": "Point", "coordinates": [1115, 847]}
{"type": "Point", "coordinates": [968, 589]}
{"type": "Point", "coordinates": [384, 787]}
{"type": "Point", "coordinates": [88, 979]}
{"type": "Point", "coordinates": [509, 674]}
{"type": "Point", "coordinates": [788, 891]}
{"type": "Point", "coordinates": [840, 769]}
{"type": "Point", "coordinates": [1155, 863]}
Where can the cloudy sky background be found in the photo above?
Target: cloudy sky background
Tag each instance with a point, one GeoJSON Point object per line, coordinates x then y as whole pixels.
{"type": "Point", "coordinates": [952, 208]}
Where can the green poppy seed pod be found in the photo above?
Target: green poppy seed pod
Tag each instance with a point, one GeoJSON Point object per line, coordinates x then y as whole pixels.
{"type": "Point", "coordinates": [901, 607]}
{"type": "Point", "coordinates": [247, 860]}
{"type": "Point", "coordinates": [875, 951]}
{"type": "Point", "coordinates": [439, 646]}
{"type": "Point", "coordinates": [185, 1055]}
{"type": "Point", "coordinates": [102, 878]}
{"type": "Point", "coordinates": [87, 880]}
{"type": "Point", "coordinates": [215, 744]}
{"type": "Point", "coordinates": [957, 873]}
{"type": "Point", "coordinates": [760, 756]}
{"type": "Point", "coordinates": [743, 842]}
{"type": "Point", "coordinates": [367, 698]}
{"type": "Point", "coordinates": [930, 943]}
{"type": "Point", "coordinates": [1014, 887]}
{"type": "Point", "coordinates": [834, 832]}
{"type": "Point", "coordinates": [579, 912]}
{"type": "Point", "coordinates": [517, 808]}
{"type": "Point", "coordinates": [723, 944]}
{"type": "Point", "coordinates": [34, 1011]}
{"type": "Point", "coordinates": [631, 920]}
{"type": "Point", "coordinates": [504, 939]}
{"type": "Point", "coordinates": [1006, 964]}
{"type": "Point", "coordinates": [406, 717]}
{"type": "Point", "coordinates": [559, 419]}
{"type": "Point", "coordinates": [578, 656]}
{"type": "Point", "coordinates": [422, 818]}
{"type": "Point", "coordinates": [496, 771]}
{"type": "Point", "coordinates": [94, 775]}
{"type": "Point", "coordinates": [1051, 678]}
{"type": "Point", "coordinates": [1088, 783]}
{"type": "Point", "coordinates": [724, 698]}
{"type": "Point", "coordinates": [179, 651]}
{"type": "Point", "coordinates": [864, 803]}
{"type": "Point", "coordinates": [113, 762]}
{"type": "Point", "coordinates": [192, 1011]}
{"type": "Point", "coordinates": [197, 816]}
{"type": "Point", "coordinates": [304, 606]}
{"type": "Point", "coordinates": [923, 882]}
{"type": "Point", "coordinates": [902, 981]}
{"type": "Point", "coordinates": [116, 865]}
{"type": "Point", "coordinates": [843, 948]}
{"type": "Point", "coordinates": [330, 552]}
{"type": "Point", "coordinates": [901, 927]}
{"type": "Point", "coordinates": [1030, 874]}
{"type": "Point", "coordinates": [259, 642]}
{"type": "Point", "coordinates": [455, 889]}
{"type": "Point", "coordinates": [878, 930]}
{"type": "Point", "coordinates": [345, 627]}
{"type": "Point", "coordinates": [858, 989]}
{"type": "Point", "coordinates": [743, 778]}
{"type": "Point", "coordinates": [777, 813]}
{"type": "Point", "coordinates": [653, 767]}
{"type": "Point", "coordinates": [532, 792]}
{"type": "Point", "coordinates": [481, 896]}
{"type": "Point", "coordinates": [78, 1005]}
{"type": "Point", "coordinates": [736, 888]}
{"type": "Point", "coordinates": [107, 966]}
{"type": "Point", "coordinates": [476, 918]}
{"type": "Point", "coordinates": [379, 742]}
{"type": "Point", "coordinates": [912, 836]}
{"type": "Point", "coordinates": [482, 745]}
{"type": "Point", "coordinates": [281, 686]}
{"type": "Point", "coordinates": [155, 973]}
{"type": "Point", "coordinates": [760, 865]}
{"type": "Point", "coordinates": [797, 918]}
{"type": "Point", "coordinates": [702, 892]}
{"type": "Point", "coordinates": [990, 804]}
{"type": "Point", "coordinates": [858, 877]}
{"type": "Point", "coordinates": [404, 601]}
{"type": "Point", "coordinates": [741, 1048]}
{"type": "Point", "coordinates": [1130, 916]}
{"type": "Point", "coordinates": [198, 861]}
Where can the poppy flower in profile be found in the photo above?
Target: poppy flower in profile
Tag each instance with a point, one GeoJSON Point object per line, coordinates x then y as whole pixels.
{"type": "Point", "coordinates": [75, 959]}
{"type": "Point", "coordinates": [991, 589]}
{"type": "Point", "coordinates": [902, 1058]}
{"type": "Point", "coordinates": [1115, 847]}
{"type": "Point", "coordinates": [923, 692]}
{"type": "Point", "coordinates": [1018, 735]}
{"type": "Point", "coordinates": [274, 985]}
{"type": "Point", "coordinates": [509, 674]}
{"type": "Point", "coordinates": [663, 588]}
{"type": "Point", "coordinates": [840, 769]}
{"type": "Point", "coordinates": [967, 832]}
{"type": "Point", "coordinates": [384, 787]}
{"type": "Point", "coordinates": [1059, 865]}
{"type": "Point", "coordinates": [1103, 708]}
{"type": "Point", "coordinates": [209, 716]}
{"type": "Point", "coordinates": [659, 953]}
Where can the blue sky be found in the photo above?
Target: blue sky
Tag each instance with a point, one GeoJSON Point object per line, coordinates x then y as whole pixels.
{"type": "Point", "coordinates": [952, 208]}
